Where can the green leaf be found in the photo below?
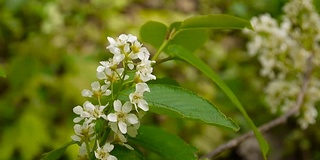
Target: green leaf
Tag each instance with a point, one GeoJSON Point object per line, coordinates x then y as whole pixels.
{"type": "Point", "coordinates": [164, 144]}
{"type": "Point", "coordinates": [215, 21]}
{"type": "Point", "coordinates": [123, 153]}
{"type": "Point", "coordinates": [190, 39]}
{"type": "Point", "coordinates": [179, 102]}
{"type": "Point", "coordinates": [153, 33]}
{"type": "Point", "coordinates": [184, 54]}
{"type": "Point", "coordinates": [2, 73]}
{"type": "Point", "coordinates": [56, 154]}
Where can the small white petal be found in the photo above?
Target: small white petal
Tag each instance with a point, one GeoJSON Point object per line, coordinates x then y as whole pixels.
{"type": "Point", "coordinates": [112, 117]}
{"type": "Point", "coordinates": [100, 68]}
{"type": "Point", "coordinates": [104, 88]}
{"type": "Point", "coordinates": [76, 138]}
{"type": "Point", "coordinates": [143, 105]}
{"type": "Point", "coordinates": [88, 106]}
{"type": "Point", "coordinates": [117, 105]}
{"type": "Point", "coordinates": [132, 119]}
{"type": "Point", "coordinates": [77, 110]}
{"type": "Point", "coordinates": [131, 66]}
{"type": "Point", "coordinates": [95, 86]}
{"type": "Point", "coordinates": [77, 119]}
{"type": "Point", "coordinates": [111, 157]}
{"type": "Point", "coordinates": [108, 147]}
{"type": "Point", "coordinates": [107, 92]}
{"type": "Point", "coordinates": [86, 93]}
{"type": "Point", "coordinates": [111, 40]}
{"type": "Point", "coordinates": [127, 107]}
{"type": "Point", "coordinates": [131, 38]}
{"type": "Point", "coordinates": [123, 127]}
{"type": "Point", "coordinates": [101, 75]}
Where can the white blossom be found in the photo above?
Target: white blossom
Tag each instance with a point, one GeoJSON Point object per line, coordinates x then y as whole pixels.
{"type": "Point", "coordinates": [84, 132]}
{"type": "Point", "coordinates": [283, 49]}
{"type": "Point", "coordinates": [122, 116]}
{"type": "Point", "coordinates": [136, 98]}
{"type": "Point", "coordinates": [89, 111]}
{"type": "Point", "coordinates": [97, 90]}
{"type": "Point", "coordinates": [104, 152]}
{"type": "Point", "coordinates": [144, 70]}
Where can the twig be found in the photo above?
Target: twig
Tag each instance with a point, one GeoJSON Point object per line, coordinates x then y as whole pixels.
{"type": "Point", "coordinates": [269, 125]}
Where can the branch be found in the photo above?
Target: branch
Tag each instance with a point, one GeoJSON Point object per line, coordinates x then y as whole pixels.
{"type": "Point", "coordinates": [269, 125]}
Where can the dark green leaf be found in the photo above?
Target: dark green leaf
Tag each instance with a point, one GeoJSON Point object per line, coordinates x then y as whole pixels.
{"type": "Point", "coordinates": [153, 33]}
{"type": "Point", "coordinates": [215, 21]}
{"type": "Point", "coordinates": [123, 153]}
{"type": "Point", "coordinates": [56, 154]}
{"type": "Point", "coordinates": [184, 54]}
{"type": "Point", "coordinates": [179, 102]}
{"type": "Point", "coordinates": [164, 144]}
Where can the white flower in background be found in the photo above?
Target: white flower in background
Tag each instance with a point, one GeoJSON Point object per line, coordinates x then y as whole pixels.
{"type": "Point", "coordinates": [89, 111]}
{"type": "Point", "coordinates": [122, 117]}
{"type": "Point", "coordinates": [136, 98]}
{"type": "Point", "coordinates": [97, 90]}
{"type": "Point", "coordinates": [283, 49]}
{"type": "Point", "coordinates": [104, 152]}
{"type": "Point", "coordinates": [84, 132]}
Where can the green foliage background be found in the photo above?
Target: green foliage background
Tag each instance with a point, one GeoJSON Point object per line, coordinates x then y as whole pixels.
{"type": "Point", "coordinates": [49, 51]}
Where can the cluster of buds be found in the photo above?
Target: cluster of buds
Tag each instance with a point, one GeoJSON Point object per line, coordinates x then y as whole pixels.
{"type": "Point", "coordinates": [129, 66]}
{"type": "Point", "coordinates": [283, 50]}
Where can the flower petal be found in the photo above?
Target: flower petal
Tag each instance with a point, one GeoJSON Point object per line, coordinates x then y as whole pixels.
{"type": "Point", "coordinates": [86, 93]}
{"type": "Point", "coordinates": [112, 117]}
{"type": "Point", "coordinates": [76, 138]}
{"type": "Point", "coordinates": [117, 105]}
{"type": "Point", "coordinates": [127, 107]}
{"type": "Point", "coordinates": [77, 110]}
{"type": "Point", "coordinates": [123, 127]}
{"type": "Point", "coordinates": [95, 86]}
{"type": "Point", "coordinates": [143, 105]}
{"type": "Point", "coordinates": [132, 118]}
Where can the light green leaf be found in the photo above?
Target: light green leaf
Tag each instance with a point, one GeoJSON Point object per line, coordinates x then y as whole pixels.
{"type": "Point", "coordinates": [123, 153]}
{"type": "Point", "coordinates": [153, 33]}
{"type": "Point", "coordinates": [164, 144]}
{"type": "Point", "coordinates": [56, 154]}
{"type": "Point", "coordinates": [179, 102]}
{"type": "Point", "coordinates": [2, 73]}
{"type": "Point", "coordinates": [215, 21]}
{"type": "Point", "coordinates": [184, 54]}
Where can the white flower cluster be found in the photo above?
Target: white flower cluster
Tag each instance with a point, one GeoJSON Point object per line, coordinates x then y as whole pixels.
{"type": "Point", "coordinates": [283, 49]}
{"type": "Point", "coordinates": [128, 57]}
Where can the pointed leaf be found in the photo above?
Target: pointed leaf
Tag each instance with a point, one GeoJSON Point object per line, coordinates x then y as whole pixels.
{"type": "Point", "coordinates": [153, 33]}
{"type": "Point", "coordinates": [179, 102]}
{"type": "Point", "coordinates": [184, 54]}
{"type": "Point", "coordinates": [215, 21]}
{"type": "Point", "coordinates": [56, 154]}
{"type": "Point", "coordinates": [164, 144]}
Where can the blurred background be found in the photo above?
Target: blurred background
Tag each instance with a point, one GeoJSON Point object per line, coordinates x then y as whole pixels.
{"type": "Point", "coordinates": [50, 49]}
